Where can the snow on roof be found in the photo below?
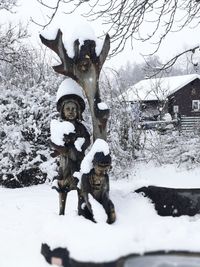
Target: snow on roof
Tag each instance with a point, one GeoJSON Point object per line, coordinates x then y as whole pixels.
{"type": "Point", "coordinates": [68, 87]}
{"type": "Point", "coordinates": [157, 89]}
{"type": "Point", "coordinates": [73, 27]}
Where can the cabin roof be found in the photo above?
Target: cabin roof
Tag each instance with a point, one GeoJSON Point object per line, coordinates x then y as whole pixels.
{"type": "Point", "coordinates": [157, 89]}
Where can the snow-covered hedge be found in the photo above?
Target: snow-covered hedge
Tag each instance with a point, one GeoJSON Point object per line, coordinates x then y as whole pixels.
{"type": "Point", "coordinates": [172, 147]}
{"type": "Point", "coordinates": [24, 135]}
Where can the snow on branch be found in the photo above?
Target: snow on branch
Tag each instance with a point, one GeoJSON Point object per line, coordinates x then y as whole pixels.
{"type": "Point", "coordinates": [172, 61]}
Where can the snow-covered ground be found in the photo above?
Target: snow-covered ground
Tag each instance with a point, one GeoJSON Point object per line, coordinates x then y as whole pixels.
{"type": "Point", "coordinates": [29, 216]}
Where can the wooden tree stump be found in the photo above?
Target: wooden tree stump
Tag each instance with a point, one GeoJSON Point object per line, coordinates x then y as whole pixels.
{"type": "Point", "coordinates": [85, 69]}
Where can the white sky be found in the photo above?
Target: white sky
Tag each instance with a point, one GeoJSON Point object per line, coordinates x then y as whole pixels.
{"type": "Point", "coordinates": [175, 42]}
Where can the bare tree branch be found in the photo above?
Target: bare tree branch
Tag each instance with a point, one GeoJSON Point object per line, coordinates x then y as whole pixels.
{"type": "Point", "coordinates": [167, 65]}
{"type": "Point", "coordinates": [128, 19]}
{"type": "Point", "coordinates": [7, 4]}
{"type": "Point", "coordinates": [10, 42]}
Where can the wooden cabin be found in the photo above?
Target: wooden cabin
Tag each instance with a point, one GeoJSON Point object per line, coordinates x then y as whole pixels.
{"type": "Point", "coordinates": [177, 95]}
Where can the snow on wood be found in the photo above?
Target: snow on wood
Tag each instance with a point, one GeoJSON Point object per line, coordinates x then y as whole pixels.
{"type": "Point", "coordinates": [99, 146]}
{"type": "Point", "coordinates": [73, 27]}
{"type": "Point", "coordinates": [102, 106]}
{"type": "Point", "coordinates": [58, 129]}
{"type": "Point", "coordinates": [68, 87]}
{"type": "Point", "coordinates": [79, 142]}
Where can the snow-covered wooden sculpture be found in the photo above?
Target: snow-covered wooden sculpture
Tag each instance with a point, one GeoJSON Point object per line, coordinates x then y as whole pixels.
{"type": "Point", "coordinates": [95, 182]}
{"type": "Point", "coordinates": [69, 138]}
{"type": "Point", "coordinates": [82, 57]}
{"type": "Point", "coordinates": [83, 63]}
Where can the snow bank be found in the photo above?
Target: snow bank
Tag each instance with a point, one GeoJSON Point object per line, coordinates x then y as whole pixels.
{"type": "Point", "coordinates": [166, 176]}
{"type": "Point", "coordinates": [29, 217]}
{"type": "Point", "coordinates": [98, 210]}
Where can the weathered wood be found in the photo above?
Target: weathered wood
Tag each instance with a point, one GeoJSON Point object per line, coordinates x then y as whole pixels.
{"type": "Point", "coordinates": [66, 68]}
{"type": "Point", "coordinates": [85, 69]}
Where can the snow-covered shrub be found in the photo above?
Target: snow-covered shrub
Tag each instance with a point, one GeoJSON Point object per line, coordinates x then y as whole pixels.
{"type": "Point", "coordinates": [27, 105]}
{"type": "Point", "coordinates": [123, 136]}
{"type": "Point", "coordinates": [129, 143]}
{"type": "Point", "coordinates": [24, 132]}
{"type": "Point", "coordinates": [173, 147]}
{"type": "Point", "coordinates": [123, 130]}
{"type": "Point", "coordinates": [167, 117]}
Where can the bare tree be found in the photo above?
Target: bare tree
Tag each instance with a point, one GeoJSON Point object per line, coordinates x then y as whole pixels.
{"type": "Point", "coordinates": [129, 20]}
{"type": "Point", "coordinates": [168, 65]}
{"type": "Point", "coordinates": [7, 4]}
{"type": "Point", "coordinates": [11, 36]}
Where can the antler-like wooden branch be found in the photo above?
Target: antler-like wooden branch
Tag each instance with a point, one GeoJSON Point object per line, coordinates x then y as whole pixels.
{"type": "Point", "coordinates": [85, 69]}
{"type": "Point", "coordinates": [66, 68]}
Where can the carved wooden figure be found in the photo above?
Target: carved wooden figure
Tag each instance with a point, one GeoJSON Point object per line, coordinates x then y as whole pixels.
{"type": "Point", "coordinates": [96, 183]}
{"type": "Point", "coordinates": [70, 108]}
{"type": "Point", "coordinates": [85, 69]}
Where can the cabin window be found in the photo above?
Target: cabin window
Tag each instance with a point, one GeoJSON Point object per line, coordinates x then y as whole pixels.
{"type": "Point", "coordinates": [176, 109]}
{"type": "Point", "coordinates": [193, 92]}
{"type": "Point", "coordinates": [195, 105]}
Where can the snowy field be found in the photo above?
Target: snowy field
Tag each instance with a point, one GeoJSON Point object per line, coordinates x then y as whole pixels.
{"type": "Point", "coordinates": [29, 217]}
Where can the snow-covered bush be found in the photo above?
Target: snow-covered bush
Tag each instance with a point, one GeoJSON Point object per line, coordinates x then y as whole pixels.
{"type": "Point", "coordinates": [167, 117]}
{"type": "Point", "coordinates": [123, 136]}
{"type": "Point", "coordinates": [24, 131]}
{"type": "Point", "coordinates": [27, 105]}
{"type": "Point", "coordinates": [123, 130]}
{"type": "Point", "coordinates": [130, 143]}
{"type": "Point", "coordinates": [173, 147]}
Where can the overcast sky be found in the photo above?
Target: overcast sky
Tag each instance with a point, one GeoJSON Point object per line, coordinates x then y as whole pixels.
{"type": "Point", "coordinates": [175, 42]}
